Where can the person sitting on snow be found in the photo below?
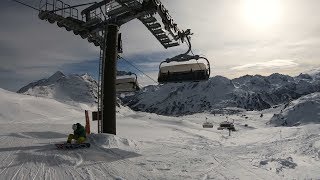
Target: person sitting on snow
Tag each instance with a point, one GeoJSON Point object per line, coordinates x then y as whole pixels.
{"type": "Point", "coordinates": [79, 134]}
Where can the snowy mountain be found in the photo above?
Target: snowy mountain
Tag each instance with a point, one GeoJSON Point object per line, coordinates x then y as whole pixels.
{"type": "Point", "coordinates": [247, 92]}
{"type": "Point", "coordinates": [213, 96]}
{"type": "Point", "coordinates": [64, 88]}
{"type": "Point", "coordinates": [304, 110]}
{"type": "Point", "coordinates": [314, 73]}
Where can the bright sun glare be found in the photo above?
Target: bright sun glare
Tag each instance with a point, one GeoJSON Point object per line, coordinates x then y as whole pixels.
{"type": "Point", "coordinates": [262, 13]}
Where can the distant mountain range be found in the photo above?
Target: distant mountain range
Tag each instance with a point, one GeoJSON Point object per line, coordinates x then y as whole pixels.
{"type": "Point", "coordinates": [213, 96]}
{"type": "Point", "coordinates": [247, 92]}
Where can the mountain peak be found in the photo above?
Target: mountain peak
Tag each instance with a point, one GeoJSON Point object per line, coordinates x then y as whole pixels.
{"type": "Point", "coordinates": [64, 88]}
{"type": "Point", "coordinates": [58, 73]}
{"type": "Point", "coordinates": [87, 77]}
{"type": "Point", "coordinates": [56, 76]}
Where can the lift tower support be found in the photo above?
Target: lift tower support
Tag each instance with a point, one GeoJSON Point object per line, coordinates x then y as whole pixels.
{"type": "Point", "coordinates": [109, 76]}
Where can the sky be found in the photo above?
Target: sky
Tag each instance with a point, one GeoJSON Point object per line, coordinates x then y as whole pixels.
{"type": "Point", "coordinates": [239, 37]}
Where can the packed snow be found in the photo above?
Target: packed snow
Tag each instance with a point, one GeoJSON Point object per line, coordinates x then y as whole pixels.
{"type": "Point", "coordinates": [151, 146]}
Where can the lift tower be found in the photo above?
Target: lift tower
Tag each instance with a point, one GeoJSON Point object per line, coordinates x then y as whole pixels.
{"type": "Point", "coordinates": [99, 23]}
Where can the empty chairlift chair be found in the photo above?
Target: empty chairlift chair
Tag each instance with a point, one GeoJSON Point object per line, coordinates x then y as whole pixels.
{"type": "Point", "coordinates": [185, 70]}
{"type": "Point", "coordinates": [207, 125]}
{"type": "Point", "coordinates": [197, 71]}
{"type": "Point", "coordinates": [127, 83]}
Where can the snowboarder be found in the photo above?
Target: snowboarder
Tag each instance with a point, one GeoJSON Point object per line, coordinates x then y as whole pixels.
{"type": "Point", "coordinates": [79, 134]}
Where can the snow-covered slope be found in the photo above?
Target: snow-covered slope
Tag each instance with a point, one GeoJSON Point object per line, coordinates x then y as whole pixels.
{"type": "Point", "coordinates": [304, 110]}
{"type": "Point", "coordinates": [150, 146]}
{"type": "Point", "coordinates": [17, 108]}
{"type": "Point", "coordinates": [247, 92]}
{"type": "Point", "coordinates": [64, 88]}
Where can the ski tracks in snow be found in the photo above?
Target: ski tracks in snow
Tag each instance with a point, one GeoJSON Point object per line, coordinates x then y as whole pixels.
{"type": "Point", "coordinates": [22, 158]}
{"type": "Point", "coordinates": [6, 167]}
{"type": "Point", "coordinates": [38, 170]}
{"type": "Point", "coordinates": [80, 160]}
{"type": "Point", "coordinates": [17, 171]}
{"type": "Point", "coordinates": [10, 155]}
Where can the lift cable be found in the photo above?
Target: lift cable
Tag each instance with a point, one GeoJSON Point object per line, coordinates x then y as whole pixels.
{"type": "Point", "coordinates": [120, 57]}
{"type": "Point", "coordinates": [27, 5]}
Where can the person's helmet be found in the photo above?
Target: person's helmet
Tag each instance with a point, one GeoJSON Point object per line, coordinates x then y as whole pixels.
{"type": "Point", "coordinates": [74, 127]}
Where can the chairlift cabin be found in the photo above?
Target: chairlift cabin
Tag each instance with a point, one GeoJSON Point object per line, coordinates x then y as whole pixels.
{"type": "Point", "coordinates": [226, 125]}
{"type": "Point", "coordinates": [207, 125]}
{"type": "Point", "coordinates": [185, 70]}
{"type": "Point", "coordinates": [127, 83]}
{"type": "Point", "coordinates": [197, 71]}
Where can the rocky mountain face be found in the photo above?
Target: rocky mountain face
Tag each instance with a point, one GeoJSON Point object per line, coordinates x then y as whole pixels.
{"type": "Point", "coordinates": [247, 92]}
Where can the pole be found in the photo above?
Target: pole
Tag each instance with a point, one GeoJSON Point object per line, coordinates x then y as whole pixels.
{"type": "Point", "coordinates": [87, 122]}
{"type": "Point", "coordinates": [109, 80]}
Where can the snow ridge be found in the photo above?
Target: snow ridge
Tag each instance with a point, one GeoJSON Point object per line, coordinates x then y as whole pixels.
{"type": "Point", "coordinates": [64, 88]}
{"type": "Point", "coordinates": [304, 110]}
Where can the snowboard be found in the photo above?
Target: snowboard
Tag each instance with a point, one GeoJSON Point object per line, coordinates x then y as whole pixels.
{"type": "Point", "coordinates": [72, 146]}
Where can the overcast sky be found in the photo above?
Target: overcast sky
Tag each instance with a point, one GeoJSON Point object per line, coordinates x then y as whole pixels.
{"type": "Point", "coordinates": [239, 37]}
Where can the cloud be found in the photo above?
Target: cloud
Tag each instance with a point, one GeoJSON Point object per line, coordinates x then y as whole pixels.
{"type": "Point", "coordinates": [273, 64]}
{"type": "Point", "coordinates": [31, 49]}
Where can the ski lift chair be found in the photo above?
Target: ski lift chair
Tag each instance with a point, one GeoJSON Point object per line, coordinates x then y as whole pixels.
{"type": "Point", "coordinates": [127, 84]}
{"type": "Point", "coordinates": [186, 71]}
{"type": "Point", "coordinates": [226, 125]}
{"type": "Point", "coordinates": [207, 125]}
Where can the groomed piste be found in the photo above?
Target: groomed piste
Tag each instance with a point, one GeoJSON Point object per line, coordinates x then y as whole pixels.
{"type": "Point", "coordinates": [151, 146]}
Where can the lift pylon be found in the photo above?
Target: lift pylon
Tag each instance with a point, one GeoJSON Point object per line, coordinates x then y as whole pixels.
{"type": "Point", "coordinates": [99, 24]}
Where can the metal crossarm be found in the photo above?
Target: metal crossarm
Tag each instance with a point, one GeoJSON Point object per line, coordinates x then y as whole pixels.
{"type": "Point", "coordinates": [123, 11]}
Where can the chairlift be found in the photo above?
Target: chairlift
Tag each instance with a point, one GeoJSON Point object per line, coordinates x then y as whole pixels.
{"type": "Point", "coordinates": [186, 71]}
{"type": "Point", "coordinates": [127, 84]}
{"type": "Point", "coordinates": [207, 125]}
{"type": "Point", "coordinates": [226, 125]}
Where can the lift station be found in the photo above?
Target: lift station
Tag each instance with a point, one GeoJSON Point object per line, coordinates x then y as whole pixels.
{"type": "Point", "coordinates": [99, 23]}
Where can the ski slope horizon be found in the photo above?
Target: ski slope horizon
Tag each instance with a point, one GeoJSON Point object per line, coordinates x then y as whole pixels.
{"type": "Point", "coordinates": [150, 146]}
{"type": "Point", "coordinates": [178, 99]}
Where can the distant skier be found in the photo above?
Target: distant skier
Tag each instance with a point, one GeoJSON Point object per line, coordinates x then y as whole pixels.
{"type": "Point", "coordinates": [79, 134]}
